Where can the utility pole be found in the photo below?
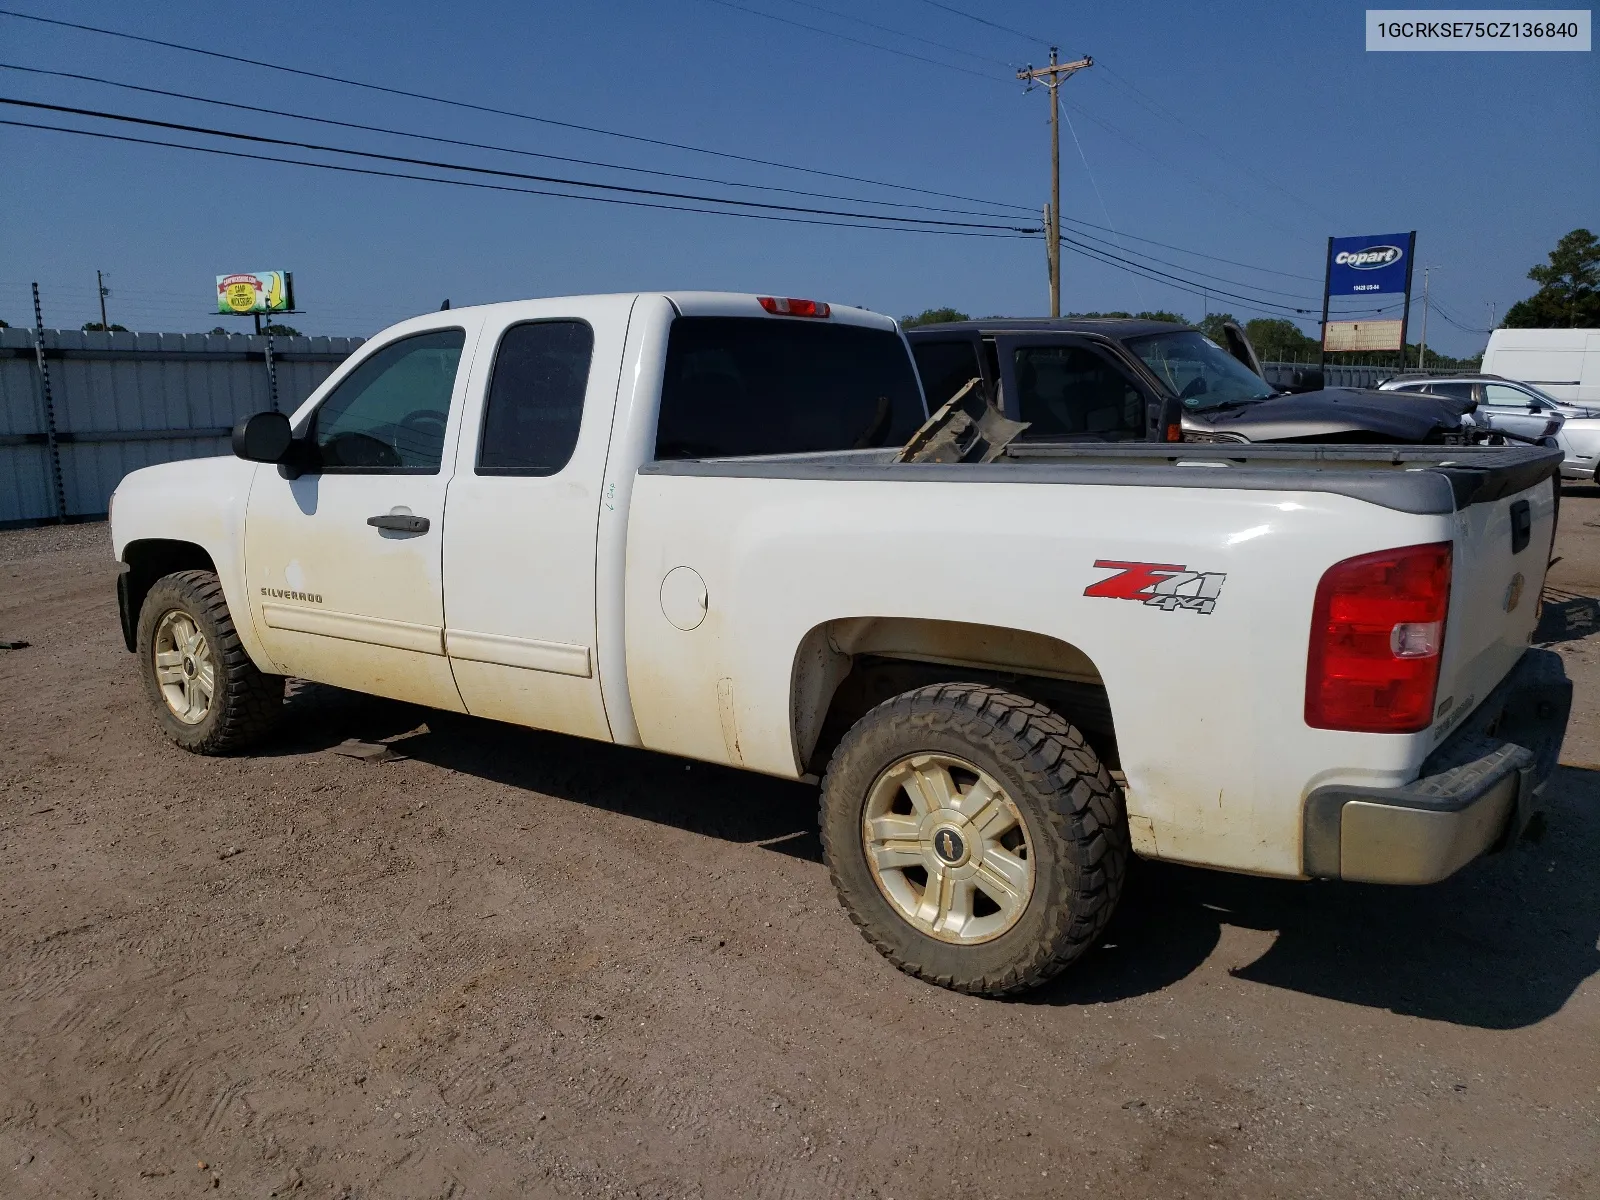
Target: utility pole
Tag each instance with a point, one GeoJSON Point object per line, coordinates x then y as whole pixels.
{"type": "Point", "coordinates": [1422, 346]}
{"type": "Point", "coordinates": [1052, 77]}
{"type": "Point", "coordinates": [100, 286]}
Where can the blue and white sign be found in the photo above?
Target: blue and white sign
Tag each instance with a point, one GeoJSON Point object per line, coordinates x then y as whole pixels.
{"type": "Point", "coordinates": [1366, 266]}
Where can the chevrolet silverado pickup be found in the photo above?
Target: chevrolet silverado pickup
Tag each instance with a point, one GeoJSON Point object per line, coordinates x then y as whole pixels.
{"type": "Point", "coordinates": [684, 522]}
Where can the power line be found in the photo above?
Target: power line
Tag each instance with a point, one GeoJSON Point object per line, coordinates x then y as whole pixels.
{"type": "Point", "coordinates": [1195, 253]}
{"type": "Point", "coordinates": [1137, 145]}
{"type": "Point", "coordinates": [845, 37]}
{"type": "Point", "coordinates": [1116, 233]}
{"type": "Point", "coordinates": [502, 112]}
{"type": "Point", "coordinates": [1161, 110]}
{"type": "Point", "coordinates": [470, 106]}
{"type": "Point", "coordinates": [1027, 37]}
{"type": "Point", "coordinates": [1205, 275]}
{"type": "Point", "coordinates": [1177, 281]}
{"type": "Point", "coordinates": [500, 187]}
{"type": "Point", "coordinates": [899, 32]}
{"type": "Point", "coordinates": [1196, 287]}
{"type": "Point", "coordinates": [448, 141]}
{"type": "Point", "coordinates": [406, 160]}
{"type": "Point", "coordinates": [1104, 211]}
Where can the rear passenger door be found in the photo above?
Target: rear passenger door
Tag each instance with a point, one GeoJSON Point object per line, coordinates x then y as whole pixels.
{"type": "Point", "coordinates": [1070, 389]}
{"type": "Point", "coordinates": [523, 511]}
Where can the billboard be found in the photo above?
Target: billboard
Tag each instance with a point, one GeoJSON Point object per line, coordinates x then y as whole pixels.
{"type": "Point", "coordinates": [1365, 266]}
{"type": "Point", "coordinates": [1363, 335]}
{"type": "Point", "coordinates": [255, 292]}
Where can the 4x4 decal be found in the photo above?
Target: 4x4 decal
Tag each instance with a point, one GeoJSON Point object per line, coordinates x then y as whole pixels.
{"type": "Point", "coordinates": [1166, 586]}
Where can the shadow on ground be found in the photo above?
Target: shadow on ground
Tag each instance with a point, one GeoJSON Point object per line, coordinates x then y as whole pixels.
{"type": "Point", "coordinates": [1501, 945]}
{"type": "Point", "coordinates": [1566, 616]}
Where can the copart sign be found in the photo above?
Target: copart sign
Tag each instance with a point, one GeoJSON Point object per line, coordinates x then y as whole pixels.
{"type": "Point", "coordinates": [1363, 266]}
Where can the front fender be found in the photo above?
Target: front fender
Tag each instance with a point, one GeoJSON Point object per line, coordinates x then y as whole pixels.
{"type": "Point", "coordinates": [199, 502]}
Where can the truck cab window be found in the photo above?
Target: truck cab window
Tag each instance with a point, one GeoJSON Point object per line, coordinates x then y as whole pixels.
{"type": "Point", "coordinates": [945, 368]}
{"type": "Point", "coordinates": [535, 402]}
{"type": "Point", "coordinates": [389, 414]}
{"type": "Point", "coordinates": [741, 385]}
{"type": "Point", "coordinates": [1069, 391]}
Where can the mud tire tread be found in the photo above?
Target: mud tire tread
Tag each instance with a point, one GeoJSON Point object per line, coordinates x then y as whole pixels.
{"type": "Point", "coordinates": [251, 701]}
{"type": "Point", "coordinates": [1072, 796]}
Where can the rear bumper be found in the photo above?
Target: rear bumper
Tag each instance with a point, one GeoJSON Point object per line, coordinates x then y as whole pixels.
{"type": "Point", "coordinates": [1477, 792]}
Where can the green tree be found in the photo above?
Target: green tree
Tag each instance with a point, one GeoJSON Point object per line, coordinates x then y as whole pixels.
{"type": "Point", "coordinates": [1278, 340]}
{"type": "Point", "coordinates": [277, 330]}
{"type": "Point", "coordinates": [1569, 288]}
{"type": "Point", "coordinates": [934, 316]}
{"type": "Point", "coordinates": [1212, 325]}
{"type": "Point", "coordinates": [96, 327]}
{"type": "Point", "coordinates": [1159, 314]}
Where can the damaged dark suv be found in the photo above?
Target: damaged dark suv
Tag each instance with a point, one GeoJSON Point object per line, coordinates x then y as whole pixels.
{"type": "Point", "coordinates": [1125, 379]}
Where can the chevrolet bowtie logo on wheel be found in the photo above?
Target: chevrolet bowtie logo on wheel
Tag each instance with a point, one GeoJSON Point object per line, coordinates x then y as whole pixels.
{"type": "Point", "coordinates": [1166, 586]}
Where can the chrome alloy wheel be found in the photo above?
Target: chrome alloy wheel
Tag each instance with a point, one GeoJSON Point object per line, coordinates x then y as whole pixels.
{"type": "Point", "coordinates": [948, 848]}
{"type": "Point", "coordinates": [185, 670]}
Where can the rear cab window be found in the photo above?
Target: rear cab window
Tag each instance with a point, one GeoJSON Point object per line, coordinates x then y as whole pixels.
{"type": "Point", "coordinates": [738, 386]}
{"type": "Point", "coordinates": [535, 403]}
{"type": "Point", "coordinates": [945, 367]}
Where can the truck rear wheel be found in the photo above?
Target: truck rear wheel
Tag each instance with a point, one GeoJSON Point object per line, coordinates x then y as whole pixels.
{"type": "Point", "coordinates": [974, 837]}
{"type": "Point", "coordinates": [209, 697]}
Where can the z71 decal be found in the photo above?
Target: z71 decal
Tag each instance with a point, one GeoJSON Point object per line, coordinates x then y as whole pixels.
{"type": "Point", "coordinates": [1160, 585]}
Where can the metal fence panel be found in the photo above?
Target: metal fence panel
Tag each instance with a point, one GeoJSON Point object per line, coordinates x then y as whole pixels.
{"type": "Point", "coordinates": [128, 400]}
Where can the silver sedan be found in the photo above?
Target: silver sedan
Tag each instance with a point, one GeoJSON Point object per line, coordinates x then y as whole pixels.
{"type": "Point", "coordinates": [1521, 409]}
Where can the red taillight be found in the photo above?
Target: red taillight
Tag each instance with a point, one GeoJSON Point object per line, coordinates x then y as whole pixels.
{"type": "Point", "coordinates": [788, 306]}
{"type": "Point", "coordinates": [1174, 433]}
{"type": "Point", "coordinates": [1377, 628]}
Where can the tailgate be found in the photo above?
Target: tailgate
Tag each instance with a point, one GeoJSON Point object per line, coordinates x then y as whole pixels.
{"type": "Point", "coordinates": [1502, 547]}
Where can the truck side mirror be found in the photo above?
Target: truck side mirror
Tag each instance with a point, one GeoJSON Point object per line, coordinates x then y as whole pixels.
{"type": "Point", "coordinates": [264, 437]}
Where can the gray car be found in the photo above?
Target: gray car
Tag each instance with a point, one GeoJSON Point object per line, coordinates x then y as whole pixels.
{"type": "Point", "coordinates": [1520, 408]}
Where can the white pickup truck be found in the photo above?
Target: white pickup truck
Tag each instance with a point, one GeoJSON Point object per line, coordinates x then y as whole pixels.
{"type": "Point", "coordinates": [677, 521]}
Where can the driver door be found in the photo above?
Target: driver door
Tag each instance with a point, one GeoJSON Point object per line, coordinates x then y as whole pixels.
{"type": "Point", "coordinates": [1070, 389]}
{"type": "Point", "coordinates": [344, 562]}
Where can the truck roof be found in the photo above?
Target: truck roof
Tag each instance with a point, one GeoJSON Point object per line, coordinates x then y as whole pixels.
{"type": "Point", "coordinates": [1116, 327]}
{"type": "Point", "coordinates": [719, 304]}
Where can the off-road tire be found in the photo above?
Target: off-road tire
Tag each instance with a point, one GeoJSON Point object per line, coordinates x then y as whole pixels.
{"type": "Point", "coordinates": [246, 704]}
{"type": "Point", "coordinates": [1076, 826]}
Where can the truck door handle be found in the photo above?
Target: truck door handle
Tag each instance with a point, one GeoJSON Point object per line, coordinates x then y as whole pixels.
{"type": "Point", "coordinates": [403, 522]}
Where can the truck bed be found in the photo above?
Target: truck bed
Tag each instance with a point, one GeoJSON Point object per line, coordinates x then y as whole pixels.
{"type": "Point", "coordinates": [1412, 479]}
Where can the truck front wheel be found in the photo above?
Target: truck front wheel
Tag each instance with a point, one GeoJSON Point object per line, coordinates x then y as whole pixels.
{"type": "Point", "coordinates": [974, 837]}
{"type": "Point", "coordinates": [209, 697]}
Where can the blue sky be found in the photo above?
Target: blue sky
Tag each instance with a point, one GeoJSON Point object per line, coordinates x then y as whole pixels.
{"type": "Point", "coordinates": [1244, 131]}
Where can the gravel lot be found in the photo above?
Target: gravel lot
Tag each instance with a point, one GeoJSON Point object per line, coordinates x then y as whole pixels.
{"type": "Point", "coordinates": [514, 964]}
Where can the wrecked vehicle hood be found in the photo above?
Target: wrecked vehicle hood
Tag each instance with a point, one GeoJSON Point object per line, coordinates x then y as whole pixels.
{"type": "Point", "coordinates": [1335, 415]}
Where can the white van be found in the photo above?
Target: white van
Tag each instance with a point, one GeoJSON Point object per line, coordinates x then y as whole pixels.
{"type": "Point", "coordinates": [1563, 362]}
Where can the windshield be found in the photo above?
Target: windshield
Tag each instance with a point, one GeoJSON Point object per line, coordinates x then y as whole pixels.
{"type": "Point", "coordinates": [1201, 373]}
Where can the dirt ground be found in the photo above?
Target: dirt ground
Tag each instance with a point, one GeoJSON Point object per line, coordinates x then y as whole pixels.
{"type": "Point", "coordinates": [513, 964]}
